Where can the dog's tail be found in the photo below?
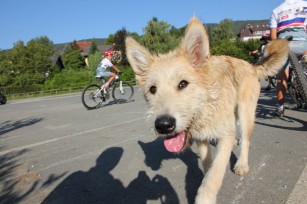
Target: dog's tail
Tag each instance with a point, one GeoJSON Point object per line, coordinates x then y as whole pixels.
{"type": "Point", "coordinates": [274, 58]}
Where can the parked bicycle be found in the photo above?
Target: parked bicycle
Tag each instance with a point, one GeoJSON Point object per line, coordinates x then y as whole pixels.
{"type": "Point", "coordinates": [94, 95]}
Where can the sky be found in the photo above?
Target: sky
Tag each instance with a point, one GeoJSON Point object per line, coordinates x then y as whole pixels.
{"type": "Point", "coordinates": [68, 20]}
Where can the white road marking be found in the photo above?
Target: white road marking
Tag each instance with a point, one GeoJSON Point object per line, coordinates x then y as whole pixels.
{"type": "Point", "coordinates": [298, 195]}
{"type": "Point", "coordinates": [67, 136]}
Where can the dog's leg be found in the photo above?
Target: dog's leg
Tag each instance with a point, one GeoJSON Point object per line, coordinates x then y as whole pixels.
{"type": "Point", "coordinates": [205, 154]}
{"type": "Point", "coordinates": [246, 116]}
{"type": "Point", "coordinates": [212, 182]}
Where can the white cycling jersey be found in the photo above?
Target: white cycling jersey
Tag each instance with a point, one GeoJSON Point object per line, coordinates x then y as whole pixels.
{"type": "Point", "coordinates": [105, 63]}
{"type": "Point", "coordinates": [290, 15]}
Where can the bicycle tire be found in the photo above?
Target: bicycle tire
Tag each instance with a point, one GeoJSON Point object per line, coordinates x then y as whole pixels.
{"type": "Point", "coordinates": [293, 96]}
{"type": "Point", "coordinates": [123, 96]}
{"type": "Point", "coordinates": [89, 100]}
{"type": "Point", "coordinates": [300, 76]}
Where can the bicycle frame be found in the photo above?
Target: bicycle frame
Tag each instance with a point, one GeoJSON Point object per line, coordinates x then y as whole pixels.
{"type": "Point", "coordinates": [105, 91]}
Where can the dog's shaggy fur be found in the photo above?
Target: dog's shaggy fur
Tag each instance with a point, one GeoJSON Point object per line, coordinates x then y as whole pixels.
{"type": "Point", "coordinates": [191, 94]}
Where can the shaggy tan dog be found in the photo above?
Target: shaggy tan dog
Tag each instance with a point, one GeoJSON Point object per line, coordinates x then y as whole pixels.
{"type": "Point", "coordinates": [191, 94]}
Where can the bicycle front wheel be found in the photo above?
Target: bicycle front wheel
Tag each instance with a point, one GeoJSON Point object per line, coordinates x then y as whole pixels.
{"type": "Point", "coordinates": [91, 96]}
{"type": "Point", "coordinates": [122, 92]}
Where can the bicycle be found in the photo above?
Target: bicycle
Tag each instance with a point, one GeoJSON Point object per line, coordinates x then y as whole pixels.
{"type": "Point", "coordinates": [297, 81]}
{"type": "Point", "coordinates": [94, 95]}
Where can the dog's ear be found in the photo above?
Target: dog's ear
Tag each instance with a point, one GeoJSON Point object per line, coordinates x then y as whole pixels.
{"type": "Point", "coordinates": [139, 58]}
{"type": "Point", "coordinates": [195, 44]}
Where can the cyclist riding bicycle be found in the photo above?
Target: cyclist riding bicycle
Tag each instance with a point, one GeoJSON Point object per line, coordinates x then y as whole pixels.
{"type": "Point", "coordinates": [289, 19]}
{"type": "Point", "coordinates": [103, 65]}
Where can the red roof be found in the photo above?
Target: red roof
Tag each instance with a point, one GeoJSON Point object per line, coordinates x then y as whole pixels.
{"type": "Point", "coordinates": [83, 44]}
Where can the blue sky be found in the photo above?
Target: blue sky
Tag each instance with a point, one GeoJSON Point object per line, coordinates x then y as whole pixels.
{"type": "Point", "coordinates": [67, 20]}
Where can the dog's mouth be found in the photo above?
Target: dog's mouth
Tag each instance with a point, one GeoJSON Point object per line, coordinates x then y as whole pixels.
{"type": "Point", "coordinates": [178, 142]}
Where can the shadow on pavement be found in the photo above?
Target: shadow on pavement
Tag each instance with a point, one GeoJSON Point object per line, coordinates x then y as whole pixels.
{"type": "Point", "coordinates": [98, 185]}
{"type": "Point", "coordinates": [155, 153]}
{"type": "Point", "coordinates": [12, 184]}
{"type": "Point", "coordinates": [9, 126]}
{"type": "Point", "coordinates": [266, 110]}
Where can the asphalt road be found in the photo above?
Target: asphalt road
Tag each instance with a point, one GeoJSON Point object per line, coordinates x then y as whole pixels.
{"type": "Point", "coordinates": [53, 150]}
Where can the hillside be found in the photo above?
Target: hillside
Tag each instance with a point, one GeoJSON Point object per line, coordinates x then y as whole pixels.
{"type": "Point", "coordinates": [236, 29]}
{"type": "Point", "coordinates": [61, 46]}
{"type": "Point", "coordinates": [237, 25]}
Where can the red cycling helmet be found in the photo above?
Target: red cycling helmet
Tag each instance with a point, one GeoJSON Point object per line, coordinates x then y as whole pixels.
{"type": "Point", "coordinates": [107, 53]}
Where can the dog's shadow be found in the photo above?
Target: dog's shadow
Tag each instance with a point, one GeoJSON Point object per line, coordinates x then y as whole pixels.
{"type": "Point", "coordinates": [155, 154]}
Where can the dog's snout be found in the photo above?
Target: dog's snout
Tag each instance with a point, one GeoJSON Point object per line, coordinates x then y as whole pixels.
{"type": "Point", "coordinates": [165, 124]}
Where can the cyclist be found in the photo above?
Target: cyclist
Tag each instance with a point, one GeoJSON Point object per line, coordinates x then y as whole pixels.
{"type": "Point", "coordinates": [103, 65]}
{"type": "Point", "coordinates": [265, 39]}
{"type": "Point", "coordinates": [289, 19]}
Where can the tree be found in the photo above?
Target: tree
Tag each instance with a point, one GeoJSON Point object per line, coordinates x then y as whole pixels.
{"type": "Point", "coordinates": [6, 68]}
{"type": "Point", "coordinates": [109, 40]}
{"type": "Point", "coordinates": [119, 39]}
{"type": "Point", "coordinates": [74, 60]}
{"type": "Point", "coordinates": [93, 47]}
{"type": "Point", "coordinates": [40, 49]}
{"type": "Point", "coordinates": [93, 60]}
{"type": "Point", "coordinates": [157, 37]}
{"type": "Point", "coordinates": [223, 31]}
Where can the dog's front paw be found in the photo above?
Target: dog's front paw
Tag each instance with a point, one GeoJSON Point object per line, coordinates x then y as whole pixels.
{"type": "Point", "coordinates": [205, 198]}
{"type": "Point", "coordinates": [241, 169]}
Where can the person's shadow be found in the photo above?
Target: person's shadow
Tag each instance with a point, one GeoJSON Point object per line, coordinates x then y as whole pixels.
{"type": "Point", "coordinates": [142, 189]}
{"type": "Point", "coordinates": [99, 186]}
{"type": "Point", "coordinates": [155, 154]}
{"type": "Point", "coordinates": [95, 186]}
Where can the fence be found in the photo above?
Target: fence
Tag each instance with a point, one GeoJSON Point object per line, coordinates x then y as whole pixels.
{"type": "Point", "coordinates": [51, 92]}
{"type": "Point", "coordinates": [44, 93]}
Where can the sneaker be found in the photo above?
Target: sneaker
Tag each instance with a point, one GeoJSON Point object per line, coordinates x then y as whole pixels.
{"type": "Point", "coordinates": [280, 111]}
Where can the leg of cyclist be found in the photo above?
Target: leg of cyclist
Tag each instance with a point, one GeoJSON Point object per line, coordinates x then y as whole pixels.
{"type": "Point", "coordinates": [112, 77]}
{"type": "Point", "coordinates": [304, 58]}
{"type": "Point", "coordinates": [282, 78]}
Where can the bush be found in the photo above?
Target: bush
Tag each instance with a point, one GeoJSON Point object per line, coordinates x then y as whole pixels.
{"type": "Point", "coordinates": [70, 78]}
{"type": "Point", "coordinates": [127, 73]}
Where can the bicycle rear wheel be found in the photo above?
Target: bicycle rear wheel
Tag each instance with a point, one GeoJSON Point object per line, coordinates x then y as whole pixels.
{"type": "Point", "coordinates": [91, 96]}
{"type": "Point", "coordinates": [122, 94]}
{"type": "Point", "coordinates": [299, 76]}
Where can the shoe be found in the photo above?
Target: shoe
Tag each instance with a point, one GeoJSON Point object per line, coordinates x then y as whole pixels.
{"type": "Point", "coordinates": [280, 111]}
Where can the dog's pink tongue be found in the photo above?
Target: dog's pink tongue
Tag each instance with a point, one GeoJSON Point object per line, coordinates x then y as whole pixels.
{"type": "Point", "coordinates": [175, 144]}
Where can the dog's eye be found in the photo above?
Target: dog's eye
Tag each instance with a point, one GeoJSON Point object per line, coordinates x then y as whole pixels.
{"type": "Point", "coordinates": [183, 84]}
{"type": "Point", "coordinates": [153, 90]}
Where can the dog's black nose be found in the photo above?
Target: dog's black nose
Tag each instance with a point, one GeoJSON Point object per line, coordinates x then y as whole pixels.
{"type": "Point", "coordinates": [165, 124]}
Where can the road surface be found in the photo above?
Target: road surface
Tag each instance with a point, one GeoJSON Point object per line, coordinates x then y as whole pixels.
{"type": "Point", "coordinates": [53, 150]}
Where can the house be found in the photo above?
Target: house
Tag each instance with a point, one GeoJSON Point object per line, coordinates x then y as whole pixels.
{"type": "Point", "coordinates": [86, 46]}
{"type": "Point", "coordinates": [253, 31]}
{"type": "Point", "coordinates": [57, 60]}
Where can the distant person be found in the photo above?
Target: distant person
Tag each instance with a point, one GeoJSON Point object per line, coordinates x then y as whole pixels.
{"type": "Point", "coordinates": [101, 70]}
{"type": "Point", "coordinates": [265, 39]}
{"type": "Point", "coordinates": [289, 19]}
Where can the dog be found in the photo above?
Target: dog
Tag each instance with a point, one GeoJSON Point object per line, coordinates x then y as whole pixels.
{"type": "Point", "coordinates": [192, 95]}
